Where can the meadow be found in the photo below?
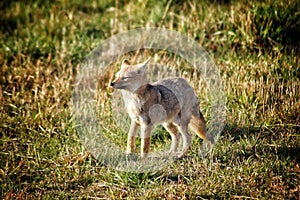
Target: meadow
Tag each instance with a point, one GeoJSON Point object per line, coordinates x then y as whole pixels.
{"type": "Point", "coordinates": [255, 45]}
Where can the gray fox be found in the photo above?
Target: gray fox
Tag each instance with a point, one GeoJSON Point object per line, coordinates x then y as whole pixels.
{"type": "Point", "coordinates": [170, 102]}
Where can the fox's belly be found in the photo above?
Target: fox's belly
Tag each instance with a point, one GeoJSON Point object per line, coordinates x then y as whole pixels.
{"type": "Point", "coordinates": [156, 114]}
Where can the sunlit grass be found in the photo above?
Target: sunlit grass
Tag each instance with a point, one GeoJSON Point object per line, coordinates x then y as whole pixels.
{"type": "Point", "coordinates": [256, 47]}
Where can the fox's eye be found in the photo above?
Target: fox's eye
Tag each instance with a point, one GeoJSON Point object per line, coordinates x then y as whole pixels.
{"type": "Point", "coordinates": [124, 78]}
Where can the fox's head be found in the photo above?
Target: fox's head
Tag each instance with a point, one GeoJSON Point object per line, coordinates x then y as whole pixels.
{"type": "Point", "coordinates": [130, 77]}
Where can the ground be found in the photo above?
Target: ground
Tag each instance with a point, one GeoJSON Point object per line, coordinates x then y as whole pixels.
{"type": "Point", "coordinates": [254, 44]}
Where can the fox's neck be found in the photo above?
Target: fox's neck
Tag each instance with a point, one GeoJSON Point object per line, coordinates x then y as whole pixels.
{"type": "Point", "coordinates": [139, 93]}
{"type": "Point", "coordinates": [142, 90]}
{"type": "Point", "coordinates": [140, 87]}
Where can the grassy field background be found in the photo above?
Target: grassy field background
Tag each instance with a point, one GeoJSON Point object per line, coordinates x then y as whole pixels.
{"type": "Point", "coordinates": [254, 43]}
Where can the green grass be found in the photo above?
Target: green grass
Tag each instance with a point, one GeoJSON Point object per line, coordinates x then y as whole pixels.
{"type": "Point", "coordinates": [256, 47]}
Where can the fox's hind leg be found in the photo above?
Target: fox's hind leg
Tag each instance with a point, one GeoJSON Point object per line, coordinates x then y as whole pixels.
{"type": "Point", "coordinates": [175, 135]}
{"type": "Point", "coordinates": [134, 128]}
{"type": "Point", "coordinates": [186, 137]}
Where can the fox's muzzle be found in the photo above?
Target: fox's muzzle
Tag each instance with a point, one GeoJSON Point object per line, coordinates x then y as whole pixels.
{"type": "Point", "coordinates": [115, 85]}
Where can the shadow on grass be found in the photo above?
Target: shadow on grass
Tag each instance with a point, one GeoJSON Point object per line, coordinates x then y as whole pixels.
{"type": "Point", "coordinates": [281, 141]}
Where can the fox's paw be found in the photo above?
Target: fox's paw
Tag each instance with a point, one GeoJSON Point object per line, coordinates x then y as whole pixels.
{"type": "Point", "coordinates": [144, 155]}
{"type": "Point", "coordinates": [132, 157]}
{"type": "Point", "coordinates": [128, 152]}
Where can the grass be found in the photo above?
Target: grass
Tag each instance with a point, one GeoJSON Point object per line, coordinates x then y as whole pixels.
{"type": "Point", "coordinates": [255, 45]}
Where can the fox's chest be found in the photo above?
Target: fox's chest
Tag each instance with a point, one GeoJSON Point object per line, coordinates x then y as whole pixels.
{"type": "Point", "coordinates": [140, 109]}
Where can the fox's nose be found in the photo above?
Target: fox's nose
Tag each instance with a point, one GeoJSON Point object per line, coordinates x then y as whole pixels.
{"type": "Point", "coordinates": [112, 84]}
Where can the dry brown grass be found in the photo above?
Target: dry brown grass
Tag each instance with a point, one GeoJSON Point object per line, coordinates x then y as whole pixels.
{"type": "Point", "coordinates": [255, 45]}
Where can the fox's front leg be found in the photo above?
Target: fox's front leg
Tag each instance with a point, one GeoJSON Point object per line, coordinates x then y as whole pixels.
{"type": "Point", "coordinates": [134, 128]}
{"type": "Point", "coordinates": [145, 140]}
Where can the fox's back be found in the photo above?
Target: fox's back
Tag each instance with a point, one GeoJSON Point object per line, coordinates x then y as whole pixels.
{"type": "Point", "coordinates": [181, 89]}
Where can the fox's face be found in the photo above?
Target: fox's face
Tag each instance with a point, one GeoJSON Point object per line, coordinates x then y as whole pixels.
{"type": "Point", "coordinates": [130, 77]}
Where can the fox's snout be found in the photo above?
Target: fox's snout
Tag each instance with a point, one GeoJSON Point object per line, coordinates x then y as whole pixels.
{"type": "Point", "coordinates": [112, 84]}
{"type": "Point", "coordinates": [117, 84]}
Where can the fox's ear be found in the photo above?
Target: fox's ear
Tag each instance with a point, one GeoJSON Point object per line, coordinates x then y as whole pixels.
{"type": "Point", "coordinates": [145, 62]}
{"type": "Point", "coordinates": [125, 63]}
{"type": "Point", "coordinates": [142, 66]}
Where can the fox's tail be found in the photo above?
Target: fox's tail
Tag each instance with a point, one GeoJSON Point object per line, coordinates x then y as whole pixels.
{"type": "Point", "coordinates": [197, 124]}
